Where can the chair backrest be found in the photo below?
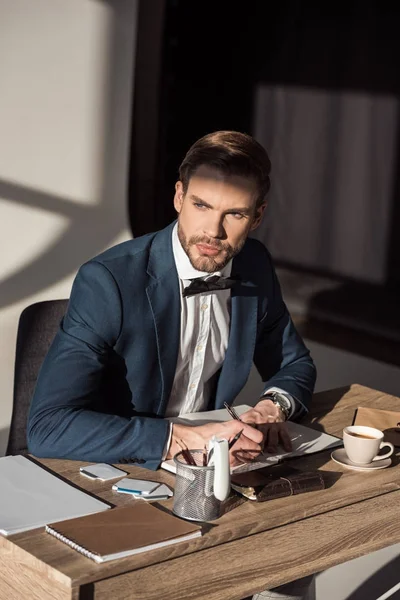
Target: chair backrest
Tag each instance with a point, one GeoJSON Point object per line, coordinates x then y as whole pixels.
{"type": "Point", "coordinates": [37, 327]}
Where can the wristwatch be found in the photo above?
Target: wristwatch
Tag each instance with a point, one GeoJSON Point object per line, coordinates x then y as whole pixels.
{"type": "Point", "coordinates": [280, 401]}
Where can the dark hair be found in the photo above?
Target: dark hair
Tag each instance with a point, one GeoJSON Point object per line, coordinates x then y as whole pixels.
{"type": "Point", "coordinates": [232, 153]}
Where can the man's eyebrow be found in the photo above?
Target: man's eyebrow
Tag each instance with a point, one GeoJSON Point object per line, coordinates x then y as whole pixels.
{"type": "Point", "coordinates": [198, 199]}
{"type": "Point", "coordinates": [245, 210]}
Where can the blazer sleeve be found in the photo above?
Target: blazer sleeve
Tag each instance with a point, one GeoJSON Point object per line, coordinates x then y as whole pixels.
{"type": "Point", "coordinates": [281, 356]}
{"type": "Point", "coordinates": [63, 421]}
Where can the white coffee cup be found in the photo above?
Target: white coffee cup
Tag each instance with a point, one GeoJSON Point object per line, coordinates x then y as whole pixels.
{"type": "Point", "coordinates": [362, 444]}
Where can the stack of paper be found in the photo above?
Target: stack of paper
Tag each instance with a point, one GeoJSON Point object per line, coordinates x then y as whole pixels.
{"type": "Point", "coordinates": [31, 497]}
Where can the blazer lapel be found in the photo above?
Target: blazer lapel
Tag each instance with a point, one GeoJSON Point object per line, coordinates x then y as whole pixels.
{"type": "Point", "coordinates": [163, 294]}
{"type": "Point", "coordinates": [242, 337]}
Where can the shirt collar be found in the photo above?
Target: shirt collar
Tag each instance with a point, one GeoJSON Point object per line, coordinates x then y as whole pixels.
{"type": "Point", "coordinates": [184, 266]}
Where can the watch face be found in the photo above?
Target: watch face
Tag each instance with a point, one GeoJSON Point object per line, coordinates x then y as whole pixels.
{"type": "Point", "coordinates": [283, 404]}
{"type": "Point", "coordinates": [280, 400]}
{"type": "Point", "coordinates": [278, 397]}
{"type": "Point", "coordinates": [283, 401]}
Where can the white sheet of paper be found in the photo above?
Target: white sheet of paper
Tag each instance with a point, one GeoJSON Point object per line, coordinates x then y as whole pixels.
{"type": "Point", "coordinates": [31, 497]}
{"type": "Point", "coordinates": [304, 439]}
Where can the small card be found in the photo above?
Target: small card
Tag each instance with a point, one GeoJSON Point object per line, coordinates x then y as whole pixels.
{"type": "Point", "coordinates": [135, 486]}
{"type": "Point", "coordinates": [162, 492]}
{"type": "Point", "coordinates": [102, 471]}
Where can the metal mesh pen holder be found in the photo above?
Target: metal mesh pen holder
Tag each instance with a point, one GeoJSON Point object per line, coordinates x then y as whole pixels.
{"type": "Point", "coordinates": [194, 490]}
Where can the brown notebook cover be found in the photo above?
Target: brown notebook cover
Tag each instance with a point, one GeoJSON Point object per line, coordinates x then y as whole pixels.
{"type": "Point", "coordinates": [387, 421]}
{"type": "Point", "coordinates": [120, 532]}
{"type": "Point", "coordinates": [276, 482]}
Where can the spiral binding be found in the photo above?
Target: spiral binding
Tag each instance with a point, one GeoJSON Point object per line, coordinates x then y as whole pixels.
{"type": "Point", "coordinates": [72, 543]}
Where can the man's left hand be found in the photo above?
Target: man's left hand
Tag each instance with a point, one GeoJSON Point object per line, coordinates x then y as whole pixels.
{"type": "Point", "coordinates": [269, 419]}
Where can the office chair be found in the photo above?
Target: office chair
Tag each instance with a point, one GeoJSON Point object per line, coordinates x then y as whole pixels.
{"type": "Point", "coordinates": [37, 327]}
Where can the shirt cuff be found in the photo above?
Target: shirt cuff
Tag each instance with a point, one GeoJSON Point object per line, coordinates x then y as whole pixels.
{"type": "Point", "coordinates": [167, 443]}
{"type": "Point", "coordinates": [287, 395]}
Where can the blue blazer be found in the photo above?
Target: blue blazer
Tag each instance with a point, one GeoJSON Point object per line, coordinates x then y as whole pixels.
{"type": "Point", "coordinates": [104, 385]}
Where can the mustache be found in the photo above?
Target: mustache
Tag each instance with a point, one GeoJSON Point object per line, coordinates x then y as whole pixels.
{"type": "Point", "coordinates": [197, 239]}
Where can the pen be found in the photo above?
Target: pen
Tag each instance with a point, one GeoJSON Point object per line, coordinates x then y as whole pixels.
{"type": "Point", "coordinates": [232, 412]}
{"type": "Point", "coordinates": [205, 459]}
{"type": "Point", "coordinates": [210, 456]}
{"type": "Point", "coordinates": [235, 416]}
{"type": "Point", "coordinates": [235, 439]}
{"type": "Point", "coordinates": [186, 453]}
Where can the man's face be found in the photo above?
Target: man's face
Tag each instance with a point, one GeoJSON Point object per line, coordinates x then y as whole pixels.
{"type": "Point", "coordinates": [215, 217]}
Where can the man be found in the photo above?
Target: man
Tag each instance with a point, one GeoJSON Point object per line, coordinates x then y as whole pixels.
{"type": "Point", "coordinates": [142, 341]}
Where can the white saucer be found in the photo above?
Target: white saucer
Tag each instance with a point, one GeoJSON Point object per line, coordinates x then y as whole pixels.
{"type": "Point", "coordinates": [341, 458]}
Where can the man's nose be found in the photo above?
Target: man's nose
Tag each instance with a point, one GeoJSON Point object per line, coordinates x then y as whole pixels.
{"type": "Point", "coordinates": [214, 227]}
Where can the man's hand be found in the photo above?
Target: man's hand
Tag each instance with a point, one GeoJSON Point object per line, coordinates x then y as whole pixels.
{"type": "Point", "coordinates": [270, 420]}
{"type": "Point", "coordinates": [246, 449]}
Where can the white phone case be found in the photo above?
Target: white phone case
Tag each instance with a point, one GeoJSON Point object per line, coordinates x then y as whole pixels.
{"type": "Point", "coordinates": [102, 471]}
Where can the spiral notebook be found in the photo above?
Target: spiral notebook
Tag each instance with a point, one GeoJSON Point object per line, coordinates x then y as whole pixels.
{"type": "Point", "coordinates": [121, 532]}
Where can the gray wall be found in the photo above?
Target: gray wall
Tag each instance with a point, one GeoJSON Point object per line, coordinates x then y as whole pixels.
{"type": "Point", "coordinates": [66, 75]}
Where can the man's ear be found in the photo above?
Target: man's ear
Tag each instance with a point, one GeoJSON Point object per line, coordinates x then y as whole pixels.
{"type": "Point", "coordinates": [258, 216]}
{"type": "Point", "coordinates": [178, 198]}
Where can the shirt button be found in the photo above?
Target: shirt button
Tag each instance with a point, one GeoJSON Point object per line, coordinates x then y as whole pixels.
{"type": "Point", "coordinates": [192, 386]}
{"type": "Point", "coordinates": [199, 348]}
{"type": "Point", "coordinates": [204, 306]}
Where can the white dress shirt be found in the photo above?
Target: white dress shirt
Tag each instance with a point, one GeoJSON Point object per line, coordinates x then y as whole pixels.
{"type": "Point", "coordinates": [205, 320]}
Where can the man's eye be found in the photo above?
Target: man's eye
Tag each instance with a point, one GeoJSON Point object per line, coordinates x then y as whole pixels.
{"type": "Point", "coordinates": [199, 205]}
{"type": "Point", "coordinates": [238, 215]}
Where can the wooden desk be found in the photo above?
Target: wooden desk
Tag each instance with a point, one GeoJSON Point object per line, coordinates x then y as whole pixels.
{"type": "Point", "coordinates": [254, 547]}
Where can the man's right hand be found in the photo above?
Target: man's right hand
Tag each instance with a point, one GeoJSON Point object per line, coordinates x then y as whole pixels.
{"type": "Point", "coordinates": [246, 449]}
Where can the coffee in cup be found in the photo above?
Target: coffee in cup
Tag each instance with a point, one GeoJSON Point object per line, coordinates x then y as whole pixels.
{"type": "Point", "coordinates": [361, 435]}
{"type": "Point", "coordinates": [363, 443]}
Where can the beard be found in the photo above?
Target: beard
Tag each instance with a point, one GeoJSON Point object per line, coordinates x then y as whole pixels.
{"type": "Point", "coordinates": [208, 264]}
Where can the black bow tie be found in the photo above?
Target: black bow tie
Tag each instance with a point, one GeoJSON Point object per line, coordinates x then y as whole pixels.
{"type": "Point", "coordinates": [199, 285]}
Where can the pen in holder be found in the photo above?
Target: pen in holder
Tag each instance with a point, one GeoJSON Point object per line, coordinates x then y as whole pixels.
{"type": "Point", "coordinates": [200, 490]}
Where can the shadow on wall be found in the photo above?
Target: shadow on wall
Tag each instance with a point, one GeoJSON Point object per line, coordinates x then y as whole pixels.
{"type": "Point", "coordinates": [91, 228]}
